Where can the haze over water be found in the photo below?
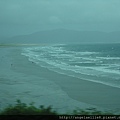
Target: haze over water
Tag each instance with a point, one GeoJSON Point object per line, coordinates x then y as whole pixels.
{"type": "Point", "coordinates": [72, 49]}
{"type": "Point", "coordinates": [23, 17]}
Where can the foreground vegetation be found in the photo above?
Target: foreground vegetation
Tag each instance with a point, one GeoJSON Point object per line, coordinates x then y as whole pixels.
{"type": "Point", "coordinates": [23, 109]}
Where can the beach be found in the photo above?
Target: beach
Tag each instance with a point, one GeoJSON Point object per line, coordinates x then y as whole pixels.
{"type": "Point", "coordinates": [24, 80]}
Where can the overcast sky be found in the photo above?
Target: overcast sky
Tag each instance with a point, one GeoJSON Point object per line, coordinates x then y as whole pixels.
{"type": "Point", "coordinates": [28, 16]}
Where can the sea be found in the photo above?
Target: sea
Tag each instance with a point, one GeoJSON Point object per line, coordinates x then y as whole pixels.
{"type": "Point", "coordinates": [98, 63]}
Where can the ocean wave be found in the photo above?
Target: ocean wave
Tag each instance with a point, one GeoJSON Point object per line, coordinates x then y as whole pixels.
{"type": "Point", "coordinates": [88, 64]}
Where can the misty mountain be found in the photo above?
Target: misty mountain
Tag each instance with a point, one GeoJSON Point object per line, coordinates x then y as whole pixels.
{"type": "Point", "coordinates": [65, 36]}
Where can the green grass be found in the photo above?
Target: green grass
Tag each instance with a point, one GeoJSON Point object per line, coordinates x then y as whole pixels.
{"type": "Point", "coordinates": [23, 109]}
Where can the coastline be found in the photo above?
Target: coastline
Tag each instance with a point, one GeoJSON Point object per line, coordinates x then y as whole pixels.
{"type": "Point", "coordinates": [22, 79]}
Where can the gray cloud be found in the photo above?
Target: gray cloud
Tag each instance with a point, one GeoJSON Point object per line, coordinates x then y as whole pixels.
{"type": "Point", "coordinates": [27, 16]}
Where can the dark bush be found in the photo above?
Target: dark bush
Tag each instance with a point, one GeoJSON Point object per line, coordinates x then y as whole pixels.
{"type": "Point", "coordinates": [23, 109]}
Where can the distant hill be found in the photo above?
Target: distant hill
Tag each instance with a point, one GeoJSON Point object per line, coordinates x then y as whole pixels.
{"type": "Point", "coordinates": [65, 36]}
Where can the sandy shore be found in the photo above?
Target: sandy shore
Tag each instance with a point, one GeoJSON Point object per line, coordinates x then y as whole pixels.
{"type": "Point", "coordinates": [22, 79]}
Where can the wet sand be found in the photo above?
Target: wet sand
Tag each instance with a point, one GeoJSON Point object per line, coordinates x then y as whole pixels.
{"type": "Point", "coordinates": [22, 79]}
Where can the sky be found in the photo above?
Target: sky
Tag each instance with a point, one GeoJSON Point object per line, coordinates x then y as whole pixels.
{"type": "Point", "coordinates": [20, 17]}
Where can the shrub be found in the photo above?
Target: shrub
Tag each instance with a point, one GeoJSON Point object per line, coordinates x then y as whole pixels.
{"type": "Point", "coordinates": [23, 109]}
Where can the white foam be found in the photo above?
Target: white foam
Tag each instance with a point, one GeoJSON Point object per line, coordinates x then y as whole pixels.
{"type": "Point", "coordinates": [109, 58]}
{"type": "Point", "coordinates": [58, 58]}
{"type": "Point", "coordinates": [87, 53]}
{"type": "Point", "coordinates": [105, 70]}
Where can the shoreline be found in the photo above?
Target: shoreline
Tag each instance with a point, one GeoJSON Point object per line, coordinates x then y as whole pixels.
{"type": "Point", "coordinates": [64, 91]}
{"type": "Point", "coordinates": [29, 87]}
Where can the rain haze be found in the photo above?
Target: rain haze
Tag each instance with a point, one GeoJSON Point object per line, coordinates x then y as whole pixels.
{"type": "Point", "coordinates": [60, 53]}
{"type": "Point", "coordinates": [21, 17]}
